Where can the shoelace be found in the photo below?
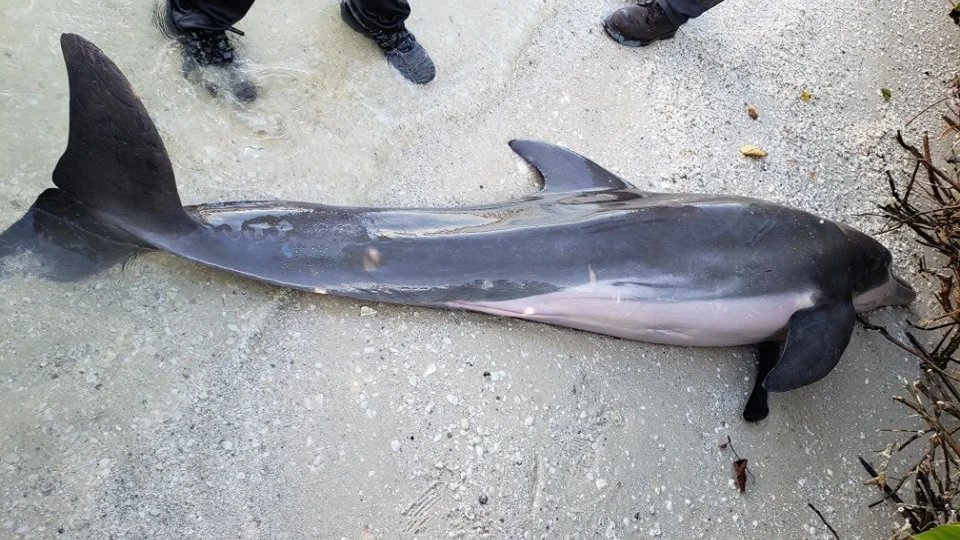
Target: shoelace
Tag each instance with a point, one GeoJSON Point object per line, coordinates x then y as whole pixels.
{"type": "Point", "coordinates": [402, 41]}
{"type": "Point", "coordinates": [213, 48]}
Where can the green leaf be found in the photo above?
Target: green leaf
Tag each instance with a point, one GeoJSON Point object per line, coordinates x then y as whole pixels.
{"type": "Point", "coordinates": [950, 531]}
{"type": "Point", "coordinates": [886, 93]}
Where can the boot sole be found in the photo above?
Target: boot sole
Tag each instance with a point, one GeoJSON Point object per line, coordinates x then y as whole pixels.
{"type": "Point", "coordinates": [619, 38]}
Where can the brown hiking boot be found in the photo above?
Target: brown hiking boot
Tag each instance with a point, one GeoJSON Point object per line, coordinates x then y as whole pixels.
{"type": "Point", "coordinates": [639, 25]}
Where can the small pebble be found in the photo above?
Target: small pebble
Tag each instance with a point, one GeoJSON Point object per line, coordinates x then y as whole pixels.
{"type": "Point", "coordinates": [395, 445]}
{"type": "Point", "coordinates": [367, 311]}
{"type": "Point", "coordinates": [483, 498]}
{"type": "Point", "coordinates": [453, 399]}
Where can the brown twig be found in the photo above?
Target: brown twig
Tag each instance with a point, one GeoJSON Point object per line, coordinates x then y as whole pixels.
{"type": "Point", "coordinates": [824, 520]}
{"type": "Point", "coordinates": [929, 205]}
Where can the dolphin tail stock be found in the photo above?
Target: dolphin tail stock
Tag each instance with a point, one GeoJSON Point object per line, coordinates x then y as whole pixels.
{"type": "Point", "coordinates": [60, 240]}
{"type": "Point", "coordinates": [115, 184]}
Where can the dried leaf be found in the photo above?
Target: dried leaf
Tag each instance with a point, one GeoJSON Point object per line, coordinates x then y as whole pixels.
{"type": "Point", "coordinates": [752, 111]}
{"type": "Point", "coordinates": [887, 94]}
{"type": "Point", "coordinates": [752, 150]}
{"type": "Point", "coordinates": [740, 473]}
{"type": "Point", "coordinates": [806, 96]}
{"type": "Point", "coordinates": [878, 480]}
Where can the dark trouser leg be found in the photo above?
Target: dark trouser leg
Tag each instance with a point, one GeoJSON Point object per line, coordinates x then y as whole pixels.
{"type": "Point", "coordinates": [767, 356]}
{"type": "Point", "coordinates": [208, 14]}
{"type": "Point", "coordinates": [680, 11]}
{"type": "Point", "coordinates": [383, 15]}
{"type": "Point", "coordinates": [208, 56]}
{"type": "Point", "coordinates": [383, 21]}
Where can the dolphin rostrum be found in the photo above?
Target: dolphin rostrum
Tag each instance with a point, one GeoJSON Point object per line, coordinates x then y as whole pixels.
{"type": "Point", "coordinates": [589, 251]}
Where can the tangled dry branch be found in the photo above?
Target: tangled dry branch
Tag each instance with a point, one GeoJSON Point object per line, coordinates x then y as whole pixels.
{"type": "Point", "coordinates": [929, 204]}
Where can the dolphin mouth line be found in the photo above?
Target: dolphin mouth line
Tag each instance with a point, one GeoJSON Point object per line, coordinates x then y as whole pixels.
{"type": "Point", "coordinates": [903, 294]}
{"type": "Point", "coordinates": [900, 281]}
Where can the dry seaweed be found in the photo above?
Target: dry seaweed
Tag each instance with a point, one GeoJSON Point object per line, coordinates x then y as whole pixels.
{"type": "Point", "coordinates": [927, 201]}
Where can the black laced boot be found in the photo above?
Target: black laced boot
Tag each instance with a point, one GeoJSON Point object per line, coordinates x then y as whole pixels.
{"type": "Point", "coordinates": [209, 59]}
{"type": "Point", "coordinates": [401, 48]}
{"type": "Point", "coordinates": [639, 25]}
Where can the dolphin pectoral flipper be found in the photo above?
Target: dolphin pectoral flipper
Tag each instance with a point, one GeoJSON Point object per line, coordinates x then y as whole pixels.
{"type": "Point", "coordinates": [816, 338]}
{"type": "Point", "coordinates": [757, 408]}
{"type": "Point", "coordinates": [564, 170]}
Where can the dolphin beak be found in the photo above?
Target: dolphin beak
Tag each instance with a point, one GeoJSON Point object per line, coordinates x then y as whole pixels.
{"type": "Point", "coordinates": [900, 292]}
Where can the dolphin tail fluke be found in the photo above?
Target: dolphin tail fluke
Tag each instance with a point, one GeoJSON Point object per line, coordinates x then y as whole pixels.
{"type": "Point", "coordinates": [116, 185]}
{"type": "Point", "coordinates": [115, 163]}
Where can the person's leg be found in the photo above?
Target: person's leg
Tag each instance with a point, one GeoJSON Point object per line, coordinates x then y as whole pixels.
{"type": "Point", "coordinates": [384, 15]}
{"type": "Point", "coordinates": [652, 20]}
{"type": "Point", "coordinates": [208, 14]}
{"type": "Point", "coordinates": [383, 21]}
{"type": "Point", "coordinates": [208, 56]}
{"type": "Point", "coordinates": [680, 11]}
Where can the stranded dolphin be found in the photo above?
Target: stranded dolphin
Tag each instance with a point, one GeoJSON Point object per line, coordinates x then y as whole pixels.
{"type": "Point", "coordinates": [589, 251]}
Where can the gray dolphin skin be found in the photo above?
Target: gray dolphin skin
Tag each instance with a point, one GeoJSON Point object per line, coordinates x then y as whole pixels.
{"type": "Point", "coordinates": [589, 251]}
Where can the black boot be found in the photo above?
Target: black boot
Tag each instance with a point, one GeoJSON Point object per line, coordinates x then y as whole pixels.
{"type": "Point", "coordinates": [209, 58]}
{"type": "Point", "coordinates": [401, 48]}
{"type": "Point", "coordinates": [639, 25]}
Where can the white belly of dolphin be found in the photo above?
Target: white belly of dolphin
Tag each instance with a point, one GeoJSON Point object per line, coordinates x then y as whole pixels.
{"type": "Point", "coordinates": [607, 310]}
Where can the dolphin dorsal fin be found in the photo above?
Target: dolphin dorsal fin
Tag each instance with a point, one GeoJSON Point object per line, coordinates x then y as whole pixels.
{"type": "Point", "coordinates": [565, 170]}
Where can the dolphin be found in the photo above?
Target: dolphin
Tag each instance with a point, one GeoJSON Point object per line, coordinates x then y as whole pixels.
{"type": "Point", "coordinates": [589, 251]}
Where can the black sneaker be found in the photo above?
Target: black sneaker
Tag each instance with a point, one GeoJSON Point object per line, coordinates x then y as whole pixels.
{"type": "Point", "coordinates": [639, 25]}
{"type": "Point", "coordinates": [209, 59]}
{"type": "Point", "coordinates": [401, 48]}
